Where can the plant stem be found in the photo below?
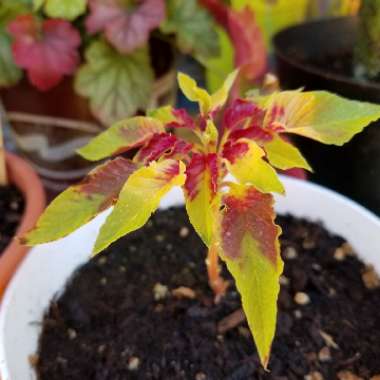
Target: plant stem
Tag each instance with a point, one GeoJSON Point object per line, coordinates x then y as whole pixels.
{"type": "Point", "coordinates": [216, 282]}
{"type": "Point", "coordinates": [3, 173]}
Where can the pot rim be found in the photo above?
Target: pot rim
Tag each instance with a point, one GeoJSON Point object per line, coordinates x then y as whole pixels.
{"type": "Point", "coordinates": [22, 175]}
{"type": "Point", "coordinates": [310, 69]}
{"type": "Point", "coordinates": [339, 214]}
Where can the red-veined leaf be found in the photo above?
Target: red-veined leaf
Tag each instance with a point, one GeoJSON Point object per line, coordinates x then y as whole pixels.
{"type": "Point", "coordinates": [247, 241]}
{"type": "Point", "coordinates": [47, 49]}
{"type": "Point", "coordinates": [121, 137]}
{"type": "Point", "coordinates": [247, 165]}
{"type": "Point", "coordinates": [201, 193]}
{"type": "Point", "coordinates": [162, 144]}
{"type": "Point", "coordinates": [126, 26]}
{"type": "Point", "coordinates": [240, 110]}
{"type": "Point", "coordinates": [139, 198]}
{"type": "Point", "coordinates": [79, 204]}
{"type": "Point", "coordinates": [250, 51]}
{"type": "Point", "coordinates": [319, 115]}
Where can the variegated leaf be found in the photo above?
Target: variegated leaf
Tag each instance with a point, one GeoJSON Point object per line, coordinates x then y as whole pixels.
{"type": "Point", "coordinates": [79, 204]}
{"type": "Point", "coordinates": [138, 199]}
{"type": "Point", "coordinates": [247, 240]}
{"type": "Point", "coordinates": [121, 137]}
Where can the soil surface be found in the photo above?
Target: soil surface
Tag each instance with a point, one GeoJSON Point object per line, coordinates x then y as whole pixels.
{"type": "Point", "coordinates": [123, 315]}
{"type": "Point", "coordinates": [11, 210]}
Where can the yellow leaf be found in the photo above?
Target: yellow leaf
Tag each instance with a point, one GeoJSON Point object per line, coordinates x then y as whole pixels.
{"type": "Point", "coordinates": [247, 241]}
{"type": "Point", "coordinates": [139, 198]}
{"type": "Point", "coordinates": [194, 93]}
{"type": "Point", "coordinates": [250, 168]}
{"type": "Point", "coordinates": [219, 98]}
{"type": "Point", "coordinates": [283, 155]}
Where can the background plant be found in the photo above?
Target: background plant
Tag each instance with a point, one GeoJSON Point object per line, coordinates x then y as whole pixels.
{"type": "Point", "coordinates": [227, 174]}
{"type": "Point", "coordinates": [368, 46]}
{"type": "Point", "coordinates": [103, 43]}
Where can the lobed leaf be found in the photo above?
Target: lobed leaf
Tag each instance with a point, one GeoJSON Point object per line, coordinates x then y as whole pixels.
{"type": "Point", "coordinates": [139, 198]}
{"type": "Point", "coordinates": [283, 155]}
{"type": "Point", "coordinates": [201, 193]}
{"type": "Point", "coordinates": [79, 204]}
{"type": "Point", "coordinates": [47, 50]}
{"type": "Point", "coordinates": [319, 115]}
{"type": "Point", "coordinates": [126, 26]}
{"type": "Point", "coordinates": [67, 9]}
{"type": "Point", "coordinates": [10, 74]}
{"type": "Point", "coordinates": [247, 240]}
{"type": "Point", "coordinates": [121, 137]}
{"type": "Point", "coordinates": [117, 85]}
{"type": "Point", "coordinates": [193, 28]}
{"type": "Point", "coordinates": [248, 167]}
{"type": "Point", "coordinates": [219, 97]}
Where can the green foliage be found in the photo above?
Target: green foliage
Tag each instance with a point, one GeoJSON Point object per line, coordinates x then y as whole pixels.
{"type": "Point", "coordinates": [367, 50]}
{"type": "Point", "coordinates": [67, 9]}
{"type": "Point", "coordinates": [234, 219]}
{"type": "Point", "coordinates": [117, 85]}
{"type": "Point", "coordinates": [193, 28]}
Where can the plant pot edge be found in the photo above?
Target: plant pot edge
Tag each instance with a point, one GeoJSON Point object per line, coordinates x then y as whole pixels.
{"type": "Point", "coordinates": [23, 176]}
{"type": "Point", "coordinates": [361, 225]}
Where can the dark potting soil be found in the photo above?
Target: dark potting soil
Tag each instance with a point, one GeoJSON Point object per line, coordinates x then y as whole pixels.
{"type": "Point", "coordinates": [11, 210]}
{"type": "Point", "coordinates": [122, 316]}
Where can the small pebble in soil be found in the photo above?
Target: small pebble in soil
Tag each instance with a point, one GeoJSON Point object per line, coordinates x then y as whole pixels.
{"type": "Point", "coordinates": [324, 354]}
{"type": "Point", "coordinates": [184, 232]}
{"type": "Point", "coordinates": [370, 278]}
{"type": "Point", "coordinates": [160, 291]}
{"type": "Point", "coordinates": [290, 253]}
{"type": "Point", "coordinates": [301, 298]}
{"type": "Point", "coordinates": [314, 376]}
{"type": "Point", "coordinates": [133, 363]}
{"type": "Point", "coordinates": [200, 376]}
{"type": "Point", "coordinates": [184, 292]}
{"type": "Point", "coordinates": [72, 334]}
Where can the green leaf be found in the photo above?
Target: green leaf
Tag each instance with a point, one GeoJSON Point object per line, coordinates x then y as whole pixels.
{"type": "Point", "coordinates": [193, 26]}
{"type": "Point", "coordinates": [10, 74]}
{"type": "Point", "coordinates": [117, 85]}
{"type": "Point", "coordinates": [194, 93]}
{"type": "Point", "coordinates": [217, 68]}
{"type": "Point", "coordinates": [122, 136]}
{"type": "Point", "coordinates": [139, 198]}
{"type": "Point", "coordinates": [283, 155]}
{"type": "Point", "coordinates": [319, 115]}
{"type": "Point", "coordinates": [163, 114]}
{"type": "Point", "coordinates": [250, 168]}
{"type": "Point", "coordinates": [248, 242]}
{"type": "Point", "coordinates": [65, 9]}
{"type": "Point", "coordinates": [220, 96]}
{"type": "Point", "coordinates": [79, 204]}
{"type": "Point", "coordinates": [37, 4]}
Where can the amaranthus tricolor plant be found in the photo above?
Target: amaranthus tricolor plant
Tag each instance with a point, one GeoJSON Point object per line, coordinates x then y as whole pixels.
{"type": "Point", "coordinates": [226, 168]}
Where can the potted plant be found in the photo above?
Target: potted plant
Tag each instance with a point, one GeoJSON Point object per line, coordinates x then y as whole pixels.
{"type": "Point", "coordinates": [345, 63]}
{"type": "Point", "coordinates": [22, 200]}
{"type": "Point", "coordinates": [70, 70]}
{"type": "Point", "coordinates": [233, 215]}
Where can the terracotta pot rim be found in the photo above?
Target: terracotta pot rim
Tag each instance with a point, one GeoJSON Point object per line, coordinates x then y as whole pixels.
{"type": "Point", "coordinates": [22, 175]}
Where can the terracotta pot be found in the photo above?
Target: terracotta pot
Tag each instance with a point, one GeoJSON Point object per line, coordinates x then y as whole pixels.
{"type": "Point", "coordinates": [22, 175]}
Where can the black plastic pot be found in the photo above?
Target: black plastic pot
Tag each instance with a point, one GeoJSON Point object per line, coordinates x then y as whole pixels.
{"type": "Point", "coordinates": [355, 168]}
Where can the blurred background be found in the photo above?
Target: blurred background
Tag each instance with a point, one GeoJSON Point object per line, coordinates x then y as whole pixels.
{"type": "Point", "coordinates": [60, 90]}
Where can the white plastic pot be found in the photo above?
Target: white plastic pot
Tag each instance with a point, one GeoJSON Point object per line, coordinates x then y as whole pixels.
{"type": "Point", "coordinates": [45, 271]}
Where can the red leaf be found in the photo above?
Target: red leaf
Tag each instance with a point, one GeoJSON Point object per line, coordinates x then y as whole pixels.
{"type": "Point", "coordinates": [195, 171]}
{"type": "Point", "coordinates": [47, 50]}
{"type": "Point", "coordinates": [239, 111]}
{"type": "Point", "coordinates": [250, 51]}
{"type": "Point", "coordinates": [162, 144]}
{"type": "Point", "coordinates": [250, 212]}
{"type": "Point", "coordinates": [234, 150]}
{"type": "Point", "coordinates": [183, 119]}
{"type": "Point", "coordinates": [126, 27]}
